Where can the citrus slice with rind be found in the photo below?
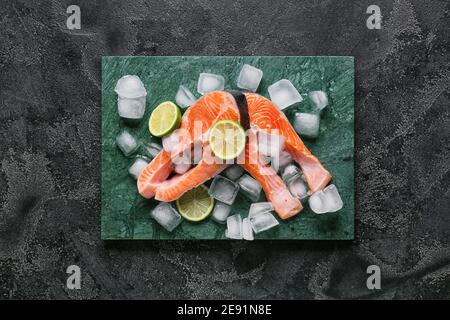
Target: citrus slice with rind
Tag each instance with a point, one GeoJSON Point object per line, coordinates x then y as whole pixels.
{"type": "Point", "coordinates": [196, 204]}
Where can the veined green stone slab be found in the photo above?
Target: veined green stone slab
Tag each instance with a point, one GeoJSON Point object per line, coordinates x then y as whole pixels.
{"type": "Point", "coordinates": [126, 215]}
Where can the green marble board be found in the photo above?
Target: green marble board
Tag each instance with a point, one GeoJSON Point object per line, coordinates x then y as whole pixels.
{"type": "Point", "coordinates": [126, 215]}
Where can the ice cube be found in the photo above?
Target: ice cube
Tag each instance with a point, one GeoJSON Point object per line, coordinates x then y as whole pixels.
{"type": "Point", "coordinates": [182, 168]}
{"type": "Point", "coordinates": [266, 159]}
{"type": "Point", "coordinates": [249, 78]}
{"type": "Point", "coordinates": [197, 152]}
{"type": "Point", "coordinates": [247, 231]}
{"type": "Point", "coordinates": [319, 98]}
{"type": "Point", "coordinates": [234, 227]}
{"type": "Point", "coordinates": [138, 165]}
{"type": "Point", "coordinates": [280, 161]}
{"type": "Point", "coordinates": [307, 124]}
{"type": "Point", "coordinates": [284, 94]}
{"type": "Point", "coordinates": [131, 108]}
{"type": "Point", "coordinates": [130, 87]}
{"type": "Point", "coordinates": [221, 212]}
{"type": "Point", "coordinates": [182, 162]}
{"type": "Point", "coordinates": [152, 149]}
{"type": "Point", "coordinates": [208, 82]}
{"type": "Point", "coordinates": [170, 141]}
{"type": "Point", "coordinates": [270, 144]}
{"type": "Point", "coordinates": [318, 203]}
{"type": "Point", "coordinates": [182, 165]}
{"type": "Point", "coordinates": [250, 187]}
{"type": "Point", "coordinates": [233, 172]}
{"type": "Point", "coordinates": [285, 158]}
{"type": "Point", "coordinates": [184, 98]}
{"type": "Point", "coordinates": [223, 189]}
{"type": "Point", "coordinates": [260, 207]}
{"type": "Point", "coordinates": [262, 221]}
{"type": "Point", "coordinates": [291, 171]}
{"type": "Point", "coordinates": [126, 142]}
{"type": "Point", "coordinates": [297, 187]}
{"type": "Point", "coordinates": [333, 199]}
{"type": "Point", "coordinates": [166, 216]}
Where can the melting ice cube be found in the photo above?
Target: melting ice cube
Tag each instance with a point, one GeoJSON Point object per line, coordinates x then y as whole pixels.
{"type": "Point", "coordinates": [270, 144]}
{"type": "Point", "coordinates": [284, 94]}
{"type": "Point", "coordinates": [291, 171]}
{"type": "Point", "coordinates": [208, 82]}
{"type": "Point", "coordinates": [131, 108]}
{"type": "Point", "coordinates": [184, 98]}
{"type": "Point", "coordinates": [247, 232]}
{"type": "Point", "coordinates": [297, 187]}
{"type": "Point", "coordinates": [319, 98]}
{"type": "Point", "coordinates": [221, 212]}
{"type": "Point", "coordinates": [166, 216]}
{"type": "Point", "coordinates": [138, 165]}
{"type": "Point", "coordinates": [249, 78]}
{"type": "Point", "coordinates": [182, 162]}
{"type": "Point", "coordinates": [307, 124]}
{"type": "Point", "coordinates": [197, 152]}
{"type": "Point", "coordinates": [126, 142]}
{"type": "Point", "coordinates": [279, 162]}
{"type": "Point", "coordinates": [266, 159]}
{"type": "Point", "coordinates": [151, 149]}
{"type": "Point", "coordinates": [260, 207]}
{"type": "Point", "coordinates": [333, 199]}
{"type": "Point", "coordinates": [170, 141]}
{"type": "Point", "coordinates": [317, 202]}
{"type": "Point", "coordinates": [262, 221]}
{"type": "Point", "coordinates": [326, 200]}
{"type": "Point", "coordinates": [233, 172]}
{"type": "Point", "coordinates": [250, 187]}
{"type": "Point", "coordinates": [130, 87]}
{"type": "Point", "coordinates": [223, 189]}
{"type": "Point", "coordinates": [234, 227]}
{"type": "Point", "coordinates": [182, 168]}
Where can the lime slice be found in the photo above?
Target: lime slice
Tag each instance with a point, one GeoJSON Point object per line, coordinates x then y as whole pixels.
{"type": "Point", "coordinates": [196, 204]}
{"type": "Point", "coordinates": [227, 139]}
{"type": "Point", "coordinates": [164, 119]}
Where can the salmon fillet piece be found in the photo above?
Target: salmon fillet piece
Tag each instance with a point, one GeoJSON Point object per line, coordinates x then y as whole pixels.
{"type": "Point", "coordinates": [283, 202]}
{"type": "Point", "coordinates": [266, 115]}
{"type": "Point", "coordinates": [196, 121]}
{"type": "Point", "coordinates": [153, 174]}
{"type": "Point", "coordinates": [174, 188]}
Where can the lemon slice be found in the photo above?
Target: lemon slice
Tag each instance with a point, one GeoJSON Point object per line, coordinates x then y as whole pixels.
{"type": "Point", "coordinates": [164, 119]}
{"type": "Point", "coordinates": [227, 139]}
{"type": "Point", "coordinates": [196, 204]}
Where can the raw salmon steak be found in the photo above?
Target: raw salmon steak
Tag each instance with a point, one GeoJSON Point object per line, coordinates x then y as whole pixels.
{"type": "Point", "coordinates": [157, 179]}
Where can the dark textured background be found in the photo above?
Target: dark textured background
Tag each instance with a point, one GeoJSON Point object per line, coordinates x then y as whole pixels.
{"type": "Point", "coordinates": [50, 150]}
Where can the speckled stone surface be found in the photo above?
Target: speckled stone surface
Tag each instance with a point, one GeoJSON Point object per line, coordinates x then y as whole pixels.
{"type": "Point", "coordinates": [50, 92]}
{"type": "Point", "coordinates": [126, 215]}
